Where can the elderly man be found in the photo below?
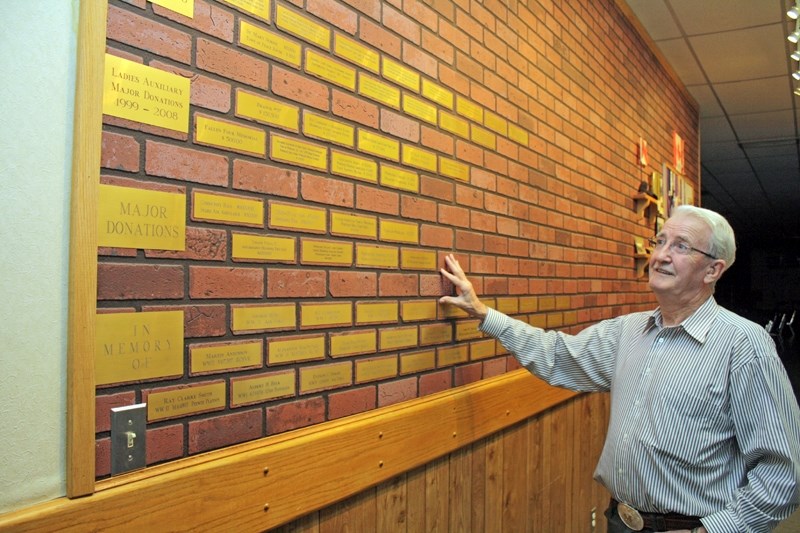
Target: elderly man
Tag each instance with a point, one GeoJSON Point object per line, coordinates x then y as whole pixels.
{"type": "Point", "coordinates": [704, 434]}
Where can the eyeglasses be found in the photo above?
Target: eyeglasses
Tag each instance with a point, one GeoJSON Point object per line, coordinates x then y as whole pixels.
{"type": "Point", "coordinates": [679, 247]}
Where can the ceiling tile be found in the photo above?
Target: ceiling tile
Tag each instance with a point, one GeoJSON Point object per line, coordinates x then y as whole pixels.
{"type": "Point", "coordinates": [708, 16]}
{"type": "Point", "coordinates": [683, 61]}
{"type": "Point", "coordinates": [741, 54]}
{"type": "Point", "coordinates": [655, 16]}
{"type": "Point", "coordinates": [773, 125]}
{"type": "Point", "coordinates": [712, 151]}
{"type": "Point", "coordinates": [709, 107]}
{"type": "Point", "coordinates": [755, 96]}
{"type": "Point", "coordinates": [716, 130]}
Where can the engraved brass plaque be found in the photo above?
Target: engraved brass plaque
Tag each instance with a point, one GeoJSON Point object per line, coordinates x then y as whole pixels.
{"type": "Point", "coordinates": [397, 338]}
{"type": "Point", "coordinates": [328, 376]}
{"type": "Point", "coordinates": [185, 401]}
{"type": "Point", "coordinates": [469, 109]}
{"type": "Point", "coordinates": [344, 344]}
{"type": "Point", "coordinates": [219, 357]}
{"type": "Point", "coordinates": [415, 310]}
{"type": "Point", "coordinates": [392, 70]}
{"type": "Point", "coordinates": [229, 136]}
{"type": "Point", "coordinates": [435, 334]}
{"type": "Point", "coordinates": [138, 218]}
{"type": "Point", "coordinates": [263, 248]}
{"type": "Point", "coordinates": [178, 6]}
{"type": "Point", "coordinates": [293, 217]}
{"type": "Point", "coordinates": [496, 123]}
{"type": "Point", "coordinates": [262, 388]}
{"type": "Point", "coordinates": [419, 158]}
{"type": "Point", "coordinates": [356, 53]}
{"type": "Point", "coordinates": [453, 169]}
{"type": "Point", "coordinates": [508, 305]}
{"type": "Point", "coordinates": [257, 318]}
{"type": "Point", "coordinates": [436, 93]}
{"type": "Point", "coordinates": [467, 329]}
{"type": "Point", "coordinates": [419, 108]}
{"type": "Point", "coordinates": [324, 68]}
{"type": "Point", "coordinates": [257, 8]}
{"type": "Point", "coordinates": [517, 134]}
{"type": "Point", "coordinates": [399, 178]}
{"type": "Point", "coordinates": [453, 355]}
{"type": "Point", "coordinates": [319, 127]}
{"type": "Point", "coordinates": [396, 231]}
{"type": "Point", "coordinates": [454, 124]}
{"type": "Point", "coordinates": [414, 259]}
{"type": "Point", "coordinates": [352, 225]}
{"type": "Point", "coordinates": [302, 27]}
{"type": "Point", "coordinates": [267, 111]}
{"type": "Point", "coordinates": [372, 143]}
{"type": "Point", "coordinates": [376, 369]}
{"type": "Point", "coordinates": [297, 152]}
{"type": "Point", "coordinates": [368, 255]}
{"type": "Point", "coordinates": [138, 346]}
{"type": "Point", "coordinates": [315, 252]}
{"type": "Point", "coordinates": [326, 315]}
{"type": "Point", "coordinates": [354, 167]}
{"type": "Point", "coordinates": [269, 44]}
{"type": "Point", "coordinates": [376, 312]}
{"type": "Point", "coordinates": [482, 349]}
{"type": "Point", "coordinates": [229, 209]}
{"type": "Point", "coordinates": [379, 91]}
{"type": "Point", "coordinates": [295, 349]}
{"type": "Point", "coordinates": [412, 363]}
{"type": "Point", "coordinates": [484, 137]}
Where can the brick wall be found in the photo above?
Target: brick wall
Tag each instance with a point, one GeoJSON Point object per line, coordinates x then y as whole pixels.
{"type": "Point", "coordinates": [505, 133]}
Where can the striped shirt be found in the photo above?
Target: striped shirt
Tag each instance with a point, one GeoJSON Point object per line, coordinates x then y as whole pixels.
{"type": "Point", "coordinates": [703, 418]}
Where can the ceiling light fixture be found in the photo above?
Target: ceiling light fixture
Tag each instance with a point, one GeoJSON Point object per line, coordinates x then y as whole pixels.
{"type": "Point", "coordinates": [794, 37]}
{"type": "Point", "coordinates": [793, 12]}
{"type": "Point", "coordinates": [796, 75]}
{"type": "Point", "coordinates": [796, 55]}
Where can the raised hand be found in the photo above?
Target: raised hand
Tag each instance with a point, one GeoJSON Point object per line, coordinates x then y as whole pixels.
{"type": "Point", "coordinates": [466, 298]}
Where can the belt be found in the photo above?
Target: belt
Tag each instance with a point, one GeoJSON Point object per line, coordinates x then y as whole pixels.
{"type": "Point", "coordinates": [638, 520]}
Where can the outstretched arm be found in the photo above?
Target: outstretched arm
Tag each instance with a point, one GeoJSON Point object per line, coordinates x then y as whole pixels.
{"type": "Point", "coordinates": [466, 298]}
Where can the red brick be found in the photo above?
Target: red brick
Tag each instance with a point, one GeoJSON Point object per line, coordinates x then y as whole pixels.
{"type": "Point", "coordinates": [486, 181]}
{"type": "Point", "coordinates": [435, 382]}
{"type": "Point", "coordinates": [507, 226]}
{"type": "Point", "coordinates": [431, 235]}
{"type": "Point", "coordinates": [492, 285]}
{"type": "Point", "coordinates": [231, 64]}
{"type": "Point", "coordinates": [469, 196]}
{"type": "Point", "coordinates": [496, 245]}
{"type": "Point", "coordinates": [330, 191]}
{"type": "Point", "coordinates": [295, 415]}
{"type": "Point", "coordinates": [508, 266]}
{"type": "Point", "coordinates": [335, 14]}
{"type": "Point", "coordinates": [137, 31]}
{"type": "Point", "coordinates": [469, 153]}
{"type": "Point", "coordinates": [345, 283]}
{"type": "Point", "coordinates": [453, 79]}
{"type": "Point", "coordinates": [382, 39]}
{"type": "Point", "coordinates": [120, 152]}
{"type": "Point", "coordinates": [292, 283]}
{"type": "Point", "coordinates": [204, 320]}
{"type": "Point", "coordinates": [351, 401]}
{"type": "Point", "coordinates": [257, 177]}
{"type": "Point", "coordinates": [482, 221]}
{"type": "Point", "coordinates": [176, 162]}
{"type": "Point", "coordinates": [397, 391]}
{"type": "Point", "coordinates": [164, 443]}
{"type": "Point", "coordinates": [417, 208]}
{"type": "Point", "coordinates": [494, 367]}
{"type": "Point", "coordinates": [438, 46]}
{"type": "Point", "coordinates": [220, 431]}
{"type": "Point", "coordinates": [453, 216]}
{"type": "Point", "coordinates": [102, 457]}
{"type": "Point", "coordinates": [205, 92]}
{"type": "Point", "coordinates": [467, 374]}
{"type": "Point", "coordinates": [435, 139]}
{"type": "Point", "coordinates": [356, 109]}
{"type": "Point", "coordinates": [300, 89]}
{"type": "Point", "coordinates": [398, 285]}
{"type": "Point", "coordinates": [455, 35]}
{"type": "Point", "coordinates": [104, 404]}
{"type": "Point", "coordinates": [403, 25]}
{"type": "Point", "coordinates": [483, 264]}
{"type": "Point", "coordinates": [225, 282]}
{"type": "Point", "coordinates": [123, 281]}
{"type": "Point", "coordinates": [469, 241]}
{"type": "Point", "coordinates": [399, 125]}
{"type": "Point", "coordinates": [201, 244]}
{"type": "Point", "coordinates": [437, 188]}
{"type": "Point", "coordinates": [420, 60]}
{"type": "Point", "coordinates": [208, 18]}
{"type": "Point", "coordinates": [435, 285]}
{"type": "Point", "coordinates": [377, 200]}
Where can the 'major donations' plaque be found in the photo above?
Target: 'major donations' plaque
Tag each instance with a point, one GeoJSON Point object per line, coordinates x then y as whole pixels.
{"type": "Point", "coordinates": [139, 218]}
{"type": "Point", "coordinates": [145, 94]}
{"type": "Point", "coordinates": [138, 346]}
{"type": "Point", "coordinates": [184, 7]}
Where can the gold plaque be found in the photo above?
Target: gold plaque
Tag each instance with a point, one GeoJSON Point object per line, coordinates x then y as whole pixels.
{"type": "Point", "coordinates": [397, 338]}
{"type": "Point", "coordinates": [225, 356]}
{"type": "Point", "coordinates": [269, 44]}
{"type": "Point", "coordinates": [538, 321]}
{"type": "Point", "coordinates": [482, 349]}
{"type": "Point", "coordinates": [300, 153]}
{"type": "Point", "coordinates": [303, 27]}
{"type": "Point", "coordinates": [453, 355]}
{"type": "Point", "coordinates": [228, 209]}
{"type": "Point", "coordinates": [328, 376]}
{"type": "Point", "coordinates": [508, 305]}
{"type": "Point", "coordinates": [295, 349]}
{"type": "Point", "coordinates": [468, 329]}
{"type": "Point", "coordinates": [145, 94]}
{"type": "Point", "coordinates": [454, 124]}
{"type": "Point", "coordinates": [267, 111]}
{"type": "Point", "coordinates": [451, 311]}
{"type": "Point", "coordinates": [352, 225]}
{"type": "Point", "coordinates": [185, 401]}
{"type": "Point", "coordinates": [262, 388]}
{"type": "Point", "coordinates": [379, 145]}
{"type": "Point", "coordinates": [356, 53]}
{"type": "Point", "coordinates": [453, 169]}
{"type": "Point", "coordinates": [138, 346]}
{"type": "Point", "coordinates": [376, 369]}
{"type": "Point", "coordinates": [435, 334]}
{"type": "Point", "coordinates": [562, 302]}
{"type": "Point", "coordinates": [528, 304]}
{"type": "Point", "coordinates": [496, 123]}
{"type": "Point", "coordinates": [471, 110]}
{"type": "Point", "coordinates": [396, 231]}
{"type": "Point", "coordinates": [368, 255]}
{"type": "Point", "coordinates": [376, 312]}
{"type": "Point", "coordinates": [325, 129]}
{"type": "Point", "coordinates": [399, 178]}
{"type": "Point", "coordinates": [547, 303]}
{"type": "Point", "coordinates": [517, 134]}
{"type": "Point", "coordinates": [326, 252]}
{"type": "Point", "coordinates": [354, 167]}
{"type": "Point", "coordinates": [257, 8]}
{"type": "Point", "coordinates": [411, 363]}
{"type": "Point", "coordinates": [394, 71]}
{"type": "Point", "coordinates": [419, 158]}
{"type": "Point", "coordinates": [257, 318]}
{"type": "Point", "coordinates": [361, 342]}
{"type": "Point", "coordinates": [413, 259]}
{"type": "Point", "coordinates": [230, 136]}
{"type": "Point", "coordinates": [139, 218]}
{"type": "Point", "coordinates": [248, 247]}
{"type": "Point", "coordinates": [379, 91]}
{"type": "Point", "coordinates": [294, 217]}
{"type": "Point", "coordinates": [484, 137]}
{"type": "Point", "coordinates": [436, 93]}
{"type": "Point", "coordinates": [326, 315]}
{"type": "Point", "coordinates": [418, 108]}
{"type": "Point", "coordinates": [327, 69]}
{"type": "Point", "coordinates": [184, 7]}
{"type": "Point", "coordinates": [414, 310]}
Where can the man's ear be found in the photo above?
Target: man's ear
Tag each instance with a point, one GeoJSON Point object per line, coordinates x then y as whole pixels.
{"type": "Point", "coordinates": [715, 270]}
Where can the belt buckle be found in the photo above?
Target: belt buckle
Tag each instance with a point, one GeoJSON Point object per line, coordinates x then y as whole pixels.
{"type": "Point", "coordinates": [630, 516]}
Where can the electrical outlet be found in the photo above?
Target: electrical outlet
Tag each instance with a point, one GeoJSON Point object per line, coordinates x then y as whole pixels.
{"type": "Point", "coordinates": [128, 438]}
{"type": "Point", "coordinates": [593, 519]}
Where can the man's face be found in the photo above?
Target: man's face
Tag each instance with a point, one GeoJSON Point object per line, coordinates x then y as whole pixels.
{"type": "Point", "coordinates": [676, 275]}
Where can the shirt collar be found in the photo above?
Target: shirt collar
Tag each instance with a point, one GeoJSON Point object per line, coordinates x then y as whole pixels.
{"type": "Point", "coordinates": [697, 324]}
